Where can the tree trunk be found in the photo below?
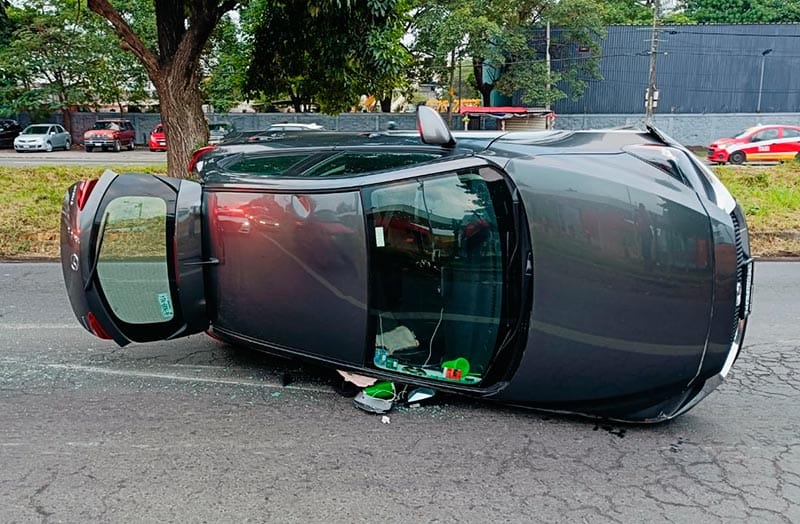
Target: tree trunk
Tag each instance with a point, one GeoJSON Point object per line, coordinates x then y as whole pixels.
{"type": "Point", "coordinates": [484, 88]}
{"type": "Point", "coordinates": [386, 104]}
{"type": "Point", "coordinates": [182, 116]}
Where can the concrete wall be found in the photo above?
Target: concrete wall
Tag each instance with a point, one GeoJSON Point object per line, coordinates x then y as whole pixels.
{"type": "Point", "coordinates": [145, 122]}
{"type": "Point", "coordinates": [688, 129]}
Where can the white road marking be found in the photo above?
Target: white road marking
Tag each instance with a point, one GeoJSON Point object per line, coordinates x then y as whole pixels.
{"type": "Point", "coordinates": [171, 376]}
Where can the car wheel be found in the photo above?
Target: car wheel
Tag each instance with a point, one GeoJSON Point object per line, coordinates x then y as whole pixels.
{"type": "Point", "coordinates": [48, 146]}
{"type": "Point", "coordinates": [117, 146]}
{"type": "Point", "coordinates": [67, 145]}
{"type": "Point", "coordinates": [737, 157]}
{"type": "Point", "coordinates": [88, 149]}
{"type": "Point", "coordinates": [131, 146]}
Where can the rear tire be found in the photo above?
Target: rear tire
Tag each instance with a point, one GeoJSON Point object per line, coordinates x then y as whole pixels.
{"type": "Point", "coordinates": [737, 157]}
{"type": "Point", "coordinates": [131, 146]}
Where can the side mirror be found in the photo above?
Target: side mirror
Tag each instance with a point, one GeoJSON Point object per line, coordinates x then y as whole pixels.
{"type": "Point", "coordinates": [432, 129]}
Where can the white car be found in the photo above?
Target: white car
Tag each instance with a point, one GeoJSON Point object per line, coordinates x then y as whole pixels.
{"type": "Point", "coordinates": [295, 127]}
{"type": "Point", "coordinates": [42, 137]}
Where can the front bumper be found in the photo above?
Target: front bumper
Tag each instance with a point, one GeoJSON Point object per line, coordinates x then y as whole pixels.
{"type": "Point", "coordinates": [37, 146]}
{"type": "Point", "coordinates": [717, 155]}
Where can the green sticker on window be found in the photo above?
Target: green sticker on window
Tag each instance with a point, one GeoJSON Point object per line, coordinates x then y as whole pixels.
{"type": "Point", "coordinates": [166, 305]}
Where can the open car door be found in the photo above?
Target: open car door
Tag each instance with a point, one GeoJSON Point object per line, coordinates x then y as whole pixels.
{"type": "Point", "coordinates": [131, 254]}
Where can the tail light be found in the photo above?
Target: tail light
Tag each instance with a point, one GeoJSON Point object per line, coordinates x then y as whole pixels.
{"type": "Point", "coordinates": [84, 190]}
{"type": "Point", "coordinates": [95, 327]}
{"type": "Point", "coordinates": [198, 154]}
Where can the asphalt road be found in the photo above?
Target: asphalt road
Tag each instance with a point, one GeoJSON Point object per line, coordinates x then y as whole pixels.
{"type": "Point", "coordinates": [77, 156]}
{"type": "Point", "coordinates": [194, 430]}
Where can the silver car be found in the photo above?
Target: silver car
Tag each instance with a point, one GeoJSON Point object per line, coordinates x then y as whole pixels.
{"type": "Point", "coordinates": [42, 137]}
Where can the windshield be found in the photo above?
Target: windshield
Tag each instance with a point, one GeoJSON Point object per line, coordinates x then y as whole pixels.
{"type": "Point", "coordinates": [36, 130]}
{"type": "Point", "coordinates": [106, 125]}
{"type": "Point", "coordinates": [219, 127]}
{"type": "Point", "coordinates": [743, 133]}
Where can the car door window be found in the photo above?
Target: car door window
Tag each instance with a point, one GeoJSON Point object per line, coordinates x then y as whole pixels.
{"type": "Point", "coordinates": [265, 165]}
{"type": "Point", "coordinates": [791, 133]}
{"type": "Point", "coordinates": [767, 134]}
{"type": "Point", "coordinates": [359, 162]}
{"type": "Point", "coordinates": [437, 256]}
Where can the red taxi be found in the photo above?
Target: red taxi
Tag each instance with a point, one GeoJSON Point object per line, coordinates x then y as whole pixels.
{"type": "Point", "coordinates": [158, 139]}
{"type": "Point", "coordinates": [769, 143]}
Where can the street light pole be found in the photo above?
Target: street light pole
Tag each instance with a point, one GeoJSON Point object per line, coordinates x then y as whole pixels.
{"type": "Point", "coordinates": [764, 54]}
{"type": "Point", "coordinates": [650, 98]}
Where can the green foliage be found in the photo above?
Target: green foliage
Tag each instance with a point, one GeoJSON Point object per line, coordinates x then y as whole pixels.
{"type": "Point", "coordinates": [626, 12]}
{"type": "Point", "coordinates": [224, 65]}
{"type": "Point", "coordinates": [59, 58]}
{"type": "Point", "coordinates": [327, 52]}
{"type": "Point", "coordinates": [743, 11]}
{"type": "Point", "coordinates": [506, 42]}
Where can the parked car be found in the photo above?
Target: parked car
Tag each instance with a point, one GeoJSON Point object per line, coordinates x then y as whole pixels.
{"type": "Point", "coordinates": [218, 131]}
{"type": "Point", "coordinates": [158, 139]}
{"type": "Point", "coordinates": [606, 273]}
{"type": "Point", "coordinates": [771, 143]}
{"type": "Point", "coordinates": [278, 131]}
{"type": "Point", "coordinates": [110, 134]}
{"type": "Point", "coordinates": [42, 137]}
{"type": "Point", "coordinates": [9, 130]}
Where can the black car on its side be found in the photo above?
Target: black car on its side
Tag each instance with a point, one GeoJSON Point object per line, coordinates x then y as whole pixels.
{"type": "Point", "coordinates": [606, 273]}
{"type": "Point", "coordinates": [9, 130]}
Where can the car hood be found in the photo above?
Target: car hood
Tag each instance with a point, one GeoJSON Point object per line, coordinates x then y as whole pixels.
{"type": "Point", "coordinates": [723, 142]}
{"type": "Point", "coordinates": [99, 132]}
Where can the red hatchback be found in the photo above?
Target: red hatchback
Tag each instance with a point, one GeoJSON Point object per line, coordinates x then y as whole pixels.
{"type": "Point", "coordinates": [769, 143]}
{"type": "Point", "coordinates": [158, 140]}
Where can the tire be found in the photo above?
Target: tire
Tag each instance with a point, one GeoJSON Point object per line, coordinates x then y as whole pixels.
{"type": "Point", "coordinates": [48, 146]}
{"type": "Point", "coordinates": [117, 146]}
{"type": "Point", "coordinates": [131, 146]}
{"type": "Point", "coordinates": [67, 145]}
{"type": "Point", "coordinates": [737, 157]}
{"type": "Point", "coordinates": [88, 149]}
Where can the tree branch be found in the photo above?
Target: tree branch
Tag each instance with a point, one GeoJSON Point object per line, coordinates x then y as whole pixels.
{"type": "Point", "coordinates": [126, 34]}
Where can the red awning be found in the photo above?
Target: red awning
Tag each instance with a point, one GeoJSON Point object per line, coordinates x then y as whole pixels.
{"type": "Point", "coordinates": [504, 109]}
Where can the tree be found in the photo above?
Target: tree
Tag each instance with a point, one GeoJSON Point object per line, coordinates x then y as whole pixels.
{"type": "Point", "coordinates": [505, 41]}
{"type": "Point", "coordinates": [183, 29]}
{"type": "Point", "coordinates": [743, 11]}
{"type": "Point", "coordinates": [224, 66]}
{"type": "Point", "coordinates": [45, 63]}
{"type": "Point", "coordinates": [303, 59]}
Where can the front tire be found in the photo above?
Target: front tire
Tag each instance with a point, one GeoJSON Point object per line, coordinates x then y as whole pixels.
{"type": "Point", "coordinates": [737, 157]}
{"type": "Point", "coordinates": [67, 145]}
{"type": "Point", "coordinates": [117, 146]}
{"type": "Point", "coordinates": [48, 146]}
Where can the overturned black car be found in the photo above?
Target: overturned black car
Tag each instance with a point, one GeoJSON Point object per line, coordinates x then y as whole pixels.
{"type": "Point", "coordinates": [606, 273]}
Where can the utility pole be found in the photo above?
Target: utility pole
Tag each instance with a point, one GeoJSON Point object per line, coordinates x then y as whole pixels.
{"type": "Point", "coordinates": [547, 57]}
{"type": "Point", "coordinates": [651, 100]}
